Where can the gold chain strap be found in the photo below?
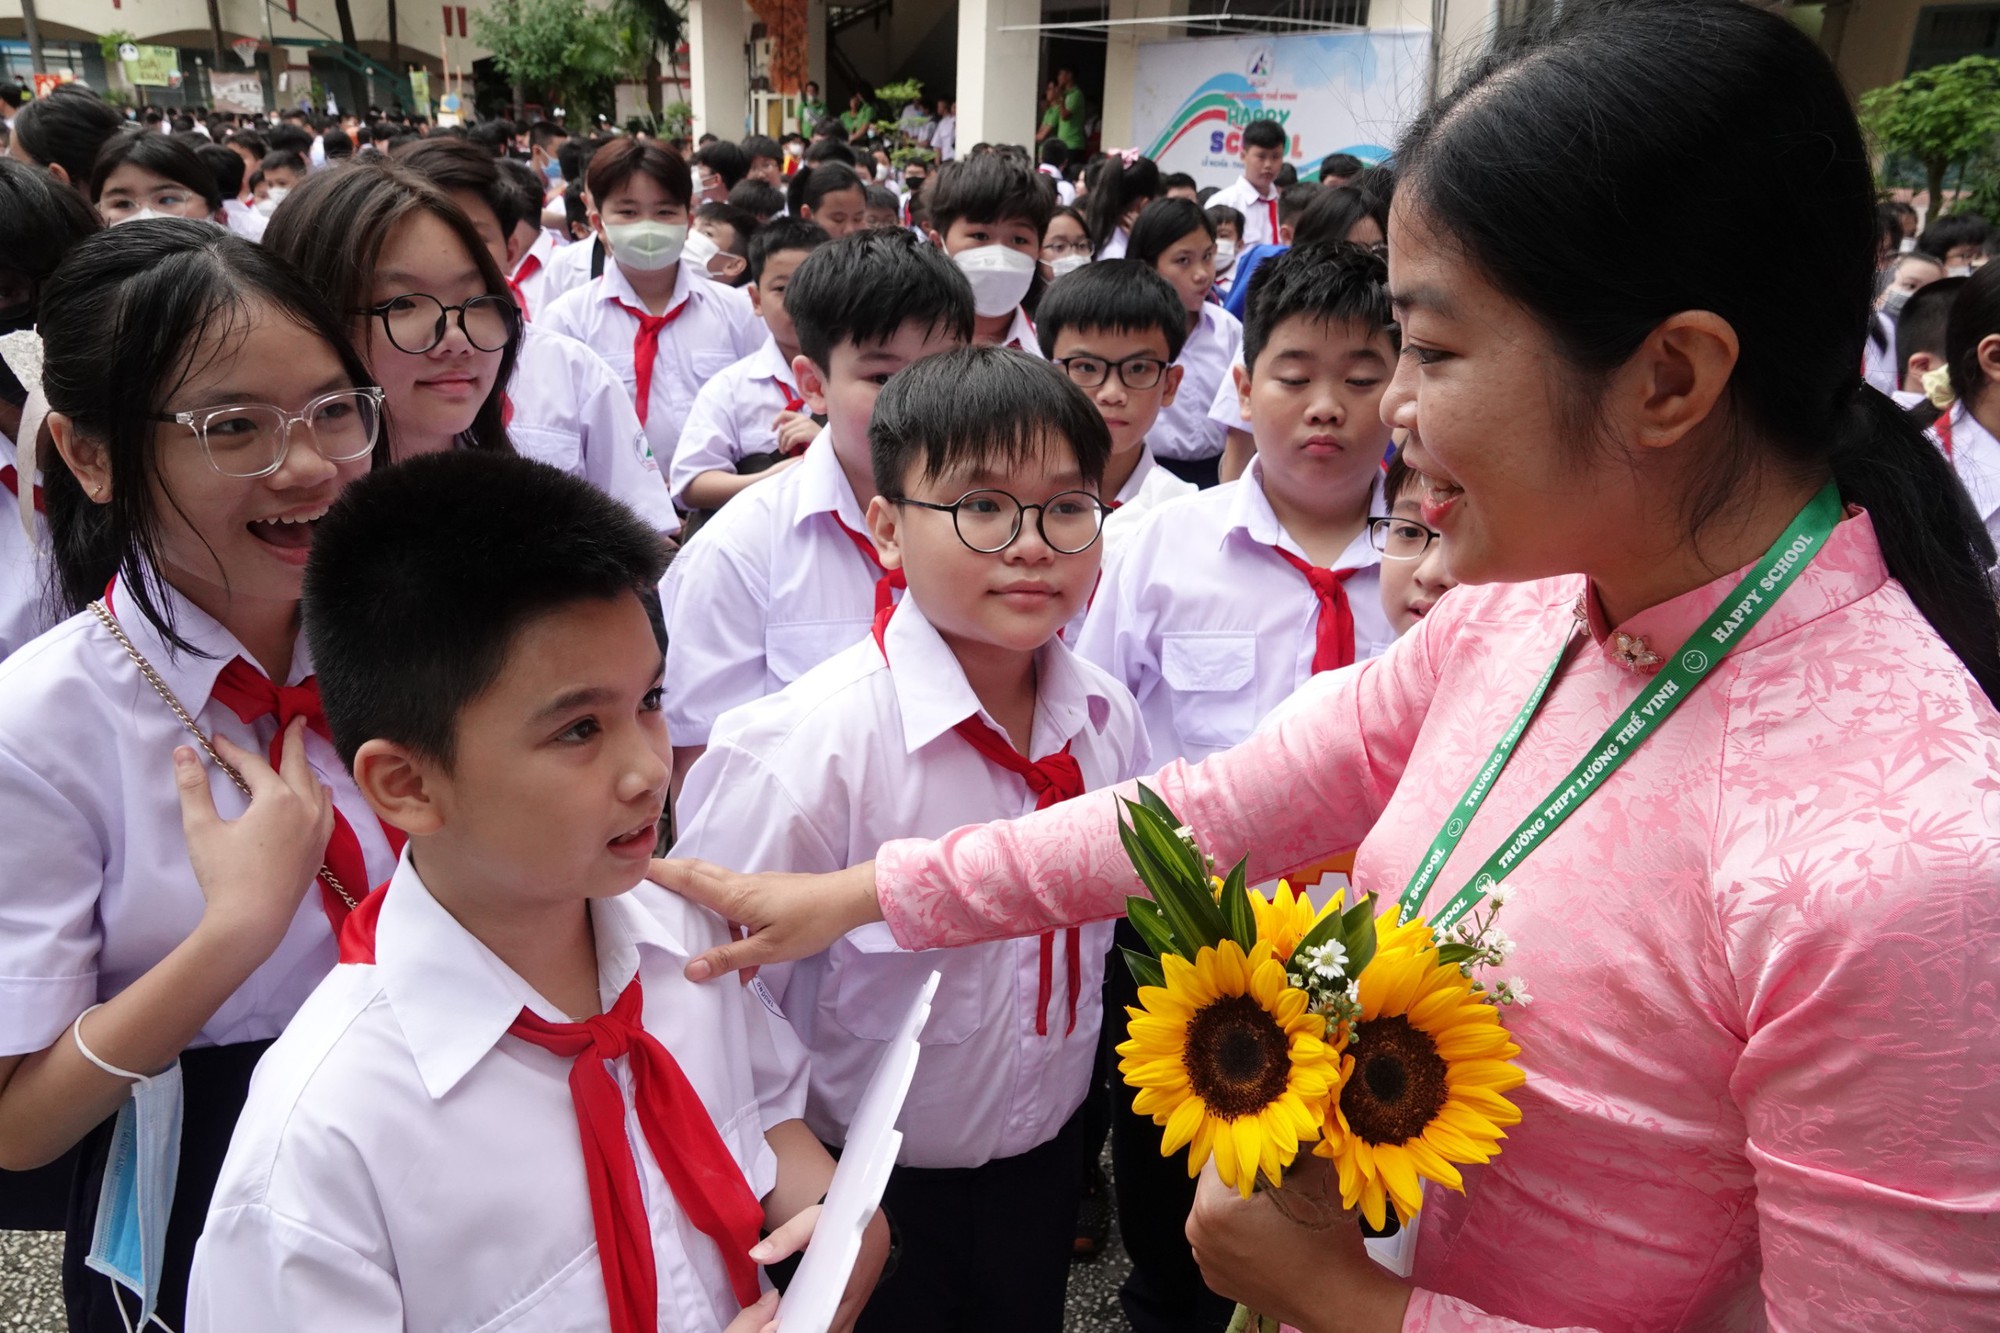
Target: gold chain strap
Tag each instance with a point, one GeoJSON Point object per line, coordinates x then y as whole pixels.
{"type": "Point", "coordinates": [110, 622]}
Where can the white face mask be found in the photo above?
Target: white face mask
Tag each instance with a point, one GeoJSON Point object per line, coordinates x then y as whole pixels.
{"type": "Point", "coordinates": [999, 275]}
{"type": "Point", "coordinates": [1958, 270]}
{"type": "Point", "coordinates": [1067, 264]}
{"type": "Point", "coordinates": [139, 216]}
{"type": "Point", "coordinates": [647, 246]}
{"type": "Point", "coordinates": [272, 198]}
{"type": "Point", "coordinates": [700, 249]}
{"type": "Point", "coordinates": [1225, 256]}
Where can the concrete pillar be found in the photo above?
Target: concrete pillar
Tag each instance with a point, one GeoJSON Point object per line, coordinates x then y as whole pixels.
{"type": "Point", "coordinates": [997, 72]}
{"type": "Point", "coordinates": [815, 49]}
{"type": "Point", "coordinates": [1121, 62]}
{"type": "Point", "coordinates": [719, 76]}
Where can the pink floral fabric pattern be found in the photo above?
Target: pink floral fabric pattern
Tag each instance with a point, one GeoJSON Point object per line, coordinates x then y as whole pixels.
{"type": "Point", "coordinates": [1764, 1050]}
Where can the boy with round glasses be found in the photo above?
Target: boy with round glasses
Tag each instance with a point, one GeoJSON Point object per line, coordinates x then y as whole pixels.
{"type": "Point", "coordinates": [963, 705]}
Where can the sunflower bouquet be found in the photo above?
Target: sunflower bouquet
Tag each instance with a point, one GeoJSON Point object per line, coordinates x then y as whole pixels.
{"type": "Point", "coordinates": [1267, 1024]}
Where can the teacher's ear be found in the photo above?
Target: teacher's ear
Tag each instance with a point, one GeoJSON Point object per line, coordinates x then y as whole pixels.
{"type": "Point", "coordinates": [1672, 383]}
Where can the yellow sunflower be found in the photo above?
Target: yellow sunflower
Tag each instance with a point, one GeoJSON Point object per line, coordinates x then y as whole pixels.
{"type": "Point", "coordinates": [1421, 1078]}
{"type": "Point", "coordinates": [1227, 1059]}
{"type": "Point", "coordinates": [1285, 918]}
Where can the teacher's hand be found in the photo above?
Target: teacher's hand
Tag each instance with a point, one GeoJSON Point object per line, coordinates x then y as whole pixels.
{"type": "Point", "coordinates": [787, 916]}
{"type": "Point", "coordinates": [1293, 1254]}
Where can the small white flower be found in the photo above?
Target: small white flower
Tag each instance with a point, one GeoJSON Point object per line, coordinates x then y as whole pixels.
{"type": "Point", "coordinates": [1498, 947]}
{"type": "Point", "coordinates": [1512, 991]}
{"type": "Point", "coordinates": [1328, 959]}
{"type": "Point", "coordinates": [1499, 894]}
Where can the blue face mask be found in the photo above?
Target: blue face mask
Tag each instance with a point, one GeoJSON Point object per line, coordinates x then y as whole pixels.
{"type": "Point", "coordinates": [128, 1244]}
{"type": "Point", "coordinates": [553, 170]}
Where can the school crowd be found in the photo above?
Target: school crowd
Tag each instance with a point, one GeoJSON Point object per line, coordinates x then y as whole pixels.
{"type": "Point", "coordinates": [419, 528]}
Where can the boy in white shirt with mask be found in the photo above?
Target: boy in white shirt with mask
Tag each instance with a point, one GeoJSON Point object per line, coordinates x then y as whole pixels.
{"type": "Point", "coordinates": [989, 214]}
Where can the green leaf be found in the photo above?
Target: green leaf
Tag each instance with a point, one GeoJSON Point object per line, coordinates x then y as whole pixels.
{"type": "Point", "coordinates": [1236, 913]}
{"type": "Point", "coordinates": [1169, 894]}
{"type": "Point", "coordinates": [1151, 923]}
{"type": "Point", "coordinates": [1357, 926]}
{"type": "Point", "coordinates": [1326, 928]}
{"type": "Point", "coordinates": [1161, 834]}
{"type": "Point", "coordinates": [1145, 968]}
{"type": "Point", "coordinates": [1456, 953]}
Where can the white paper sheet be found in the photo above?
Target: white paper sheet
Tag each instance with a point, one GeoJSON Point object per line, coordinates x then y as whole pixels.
{"type": "Point", "coordinates": [873, 1140]}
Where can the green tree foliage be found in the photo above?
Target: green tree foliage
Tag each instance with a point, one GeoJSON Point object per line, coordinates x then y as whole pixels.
{"type": "Point", "coordinates": [571, 49]}
{"type": "Point", "coordinates": [1943, 116]}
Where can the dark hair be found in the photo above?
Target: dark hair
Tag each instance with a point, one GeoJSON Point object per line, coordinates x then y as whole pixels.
{"type": "Point", "coordinates": [571, 157]}
{"type": "Point", "coordinates": [158, 154]}
{"type": "Point", "coordinates": [1294, 200]}
{"type": "Point", "coordinates": [335, 144]}
{"type": "Point", "coordinates": [1222, 215]}
{"type": "Point", "coordinates": [617, 162]}
{"type": "Point", "coordinates": [760, 199]}
{"type": "Point", "coordinates": [1176, 180]}
{"type": "Point", "coordinates": [1555, 162]}
{"type": "Point", "coordinates": [226, 167]}
{"type": "Point", "coordinates": [544, 132]}
{"type": "Point", "coordinates": [988, 189]}
{"type": "Point", "coordinates": [1922, 325]}
{"type": "Point", "coordinates": [250, 139]}
{"type": "Point", "coordinates": [975, 405]}
{"type": "Point", "coordinates": [1335, 212]}
{"type": "Point", "coordinates": [761, 145]}
{"type": "Point", "coordinates": [1327, 284]}
{"type": "Point", "coordinates": [1163, 223]}
{"type": "Point", "coordinates": [525, 183]}
{"type": "Point", "coordinates": [1975, 315]}
{"type": "Point", "coordinates": [1397, 477]}
{"type": "Point", "coordinates": [830, 150]}
{"type": "Point", "coordinates": [1948, 233]}
{"type": "Point", "coordinates": [1265, 133]}
{"type": "Point", "coordinates": [1070, 211]}
{"type": "Point", "coordinates": [812, 184]}
{"type": "Point", "coordinates": [742, 223]}
{"type": "Point", "coordinates": [455, 164]}
{"type": "Point", "coordinates": [1055, 152]}
{"type": "Point", "coordinates": [65, 129]}
{"type": "Point", "coordinates": [1118, 295]}
{"type": "Point", "coordinates": [1287, 177]}
{"type": "Point", "coordinates": [122, 322]}
{"type": "Point", "coordinates": [726, 160]}
{"type": "Point", "coordinates": [423, 574]}
{"type": "Point", "coordinates": [41, 220]}
{"type": "Point", "coordinates": [779, 235]}
{"type": "Point", "coordinates": [283, 159]}
{"type": "Point", "coordinates": [288, 138]}
{"type": "Point", "coordinates": [1114, 188]}
{"type": "Point", "coordinates": [865, 286]}
{"type": "Point", "coordinates": [334, 227]}
{"type": "Point", "coordinates": [1340, 164]}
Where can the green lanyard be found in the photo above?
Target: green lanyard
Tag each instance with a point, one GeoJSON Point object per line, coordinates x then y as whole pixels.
{"type": "Point", "coordinates": [1689, 666]}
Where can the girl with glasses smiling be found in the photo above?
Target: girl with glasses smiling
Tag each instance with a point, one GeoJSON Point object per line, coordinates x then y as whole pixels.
{"type": "Point", "coordinates": [208, 410]}
{"type": "Point", "coordinates": [430, 310]}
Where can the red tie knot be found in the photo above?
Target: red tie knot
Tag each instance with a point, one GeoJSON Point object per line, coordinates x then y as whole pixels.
{"type": "Point", "coordinates": [610, 1034]}
{"type": "Point", "coordinates": [1058, 775]}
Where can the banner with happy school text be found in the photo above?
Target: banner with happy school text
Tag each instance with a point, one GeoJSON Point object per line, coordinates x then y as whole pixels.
{"type": "Point", "coordinates": [1350, 92]}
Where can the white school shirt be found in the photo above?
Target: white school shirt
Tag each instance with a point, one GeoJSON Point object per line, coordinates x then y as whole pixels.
{"type": "Point", "coordinates": [1225, 409]}
{"type": "Point", "coordinates": [401, 1162]}
{"type": "Point", "coordinates": [1260, 224]}
{"type": "Point", "coordinates": [570, 411]}
{"type": "Point", "coordinates": [244, 220]}
{"type": "Point", "coordinates": [1149, 487]}
{"type": "Point", "coordinates": [1210, 628]}
{"type": "Point", "coordinates": [531, 275]}
{"type": "Point", "coordinates": [1065, 192]}
{"type": "Point", "coordinates": [96, 887]}
{"type": "Point", "coordinates": [944, 138]}
{"type": "Point", "coordinates": [767, 590]}
{"type": "Point", "coordinates": [1115, 247]}
{"type": "Point", "coordinates": [859, 751]}
{"type": "Point", "coordinates": [1021, 335]}
{"type": "Point", "coordinates": [22, 564]}
{"type": "Point", "coordinates": [734, 416]}
{"type": "Point", "coordinates": [1184, 430]}
{"type": "Point", "coordinates": [716, 329]}
{"type": "Point", "coordinates": [569, 267]}
{"type": "Point", "coordinates": [1975, 456]}
{"type": "Point", "coordinates": [1878, 361]}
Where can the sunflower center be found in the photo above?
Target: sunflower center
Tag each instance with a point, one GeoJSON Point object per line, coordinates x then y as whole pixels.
{"type": "Point", "coordinates": [1398, 1086]}
{"type": "Point", "coordinates": [1238, 1059]}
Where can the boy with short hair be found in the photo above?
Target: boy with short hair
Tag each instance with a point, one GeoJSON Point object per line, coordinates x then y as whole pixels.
{"type": "Point", "coordinates": [750, 423]}
{"type": "Point", "coordinates": [719, 243]}
{"type": "Point", "coordinates": [783, 577]}
{"type": "Point", "coordinates": [1254, 193]}
{"type": "Point", "coordinates": [880, 206]}
{"type": "Point", "coordinates": [1115, 328]}
{"type": "Point", "coordinates": [509, 1037]}
{"type": "Point", "coordinates": [988, 213]}
{"type": "Point", "coordinates": [1221, 603]}
{"type": "Point", "coordinates": [283, 171]}
{"type": "Point", "coordinates": [665, 330]}
{"type": "Point", "coordinates": [986, 466]}
{"type": "Point", "coordinates": [1920, 345]}
{"type": "Point", "coordinates": [1228, 243]}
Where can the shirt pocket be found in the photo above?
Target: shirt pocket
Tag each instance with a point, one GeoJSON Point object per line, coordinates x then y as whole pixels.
{"type": "Point", "coordinates": [870, 983]}
{"type": "Point", "coordinates": [1210, 675]}
{"type": "Point", "coordinates": [548, 444]}
{"type": "Point", "coordinates": [796, 647]}
{"type": "Point", "coordinates": [572, 1301]}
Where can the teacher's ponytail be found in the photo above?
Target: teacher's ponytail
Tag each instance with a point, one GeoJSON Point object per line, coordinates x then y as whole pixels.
{"type": "Point", "coordinates": [1587, 178]}
{"type": "Point", "coordinates": [1932, 538]}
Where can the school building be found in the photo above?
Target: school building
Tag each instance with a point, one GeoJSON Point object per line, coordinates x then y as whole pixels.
{"type": "Point", "coordinates": [745, 60]}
